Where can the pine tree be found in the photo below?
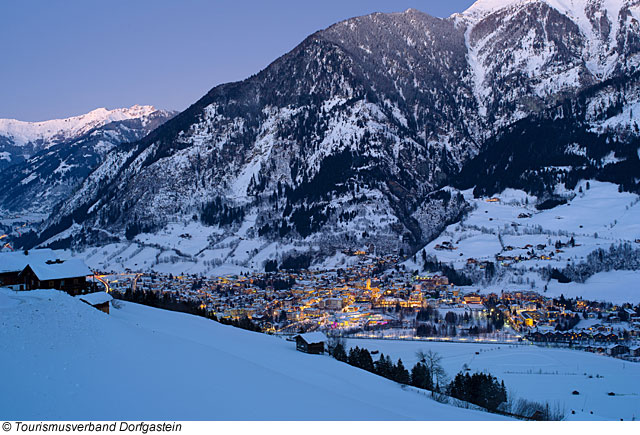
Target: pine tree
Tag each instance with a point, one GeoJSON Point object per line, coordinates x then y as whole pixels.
{"type": "Point", "coordinates": [339, 353]}
{"type": "Point", "coordinates": [401, 375]}
{"type": "Point", "coordinates": [420, 377]}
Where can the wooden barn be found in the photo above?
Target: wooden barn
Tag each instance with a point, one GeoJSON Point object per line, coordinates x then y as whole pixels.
{"type": "Point", "coordinates": [69, 276]}
{"type": "Point", "coordinates": [98, 300]}
{"type": "Point", "coordinates": [311, 342]}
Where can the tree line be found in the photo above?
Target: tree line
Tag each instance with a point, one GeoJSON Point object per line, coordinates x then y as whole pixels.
{"type": "Point", "coordinates": [171, 302]}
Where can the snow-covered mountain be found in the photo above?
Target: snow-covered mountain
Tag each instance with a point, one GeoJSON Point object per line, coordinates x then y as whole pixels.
{"type": "Point", "coordinates": [348, 140]}
{"type": "Point", "coordinates": [19, 139]}
{"type": "Point", "coordinates": [70, 361]}
{"type": "Point", "coordinates": [72, 148]}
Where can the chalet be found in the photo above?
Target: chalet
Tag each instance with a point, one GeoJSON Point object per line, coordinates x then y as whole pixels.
{"type": "Point", "coordinates": [98, 300]}
{"type": "Point", "coordinates": [12, 263]}
{"type": "Point", "coordinates": [617, 349]}
{"type": "Point", "coordinates": [311, 342]}
{"type": "Point", "coordinates": [69, 276]}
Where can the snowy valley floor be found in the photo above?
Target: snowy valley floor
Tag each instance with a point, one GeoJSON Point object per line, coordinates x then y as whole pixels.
{"type": "Point", "coordinates": [537, 373]}
{"type": "Point", "coordinates": [62, 359]}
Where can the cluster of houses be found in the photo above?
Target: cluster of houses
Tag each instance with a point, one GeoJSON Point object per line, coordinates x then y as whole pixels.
{"type": "Point", "coordinates": [538, 252]}
{"type": "Point", "coordinates": [610, 343]}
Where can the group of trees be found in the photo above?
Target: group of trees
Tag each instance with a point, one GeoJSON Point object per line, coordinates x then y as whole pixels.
{"type": "Point", "coordinates": [216, 212]}
{"type": "Point", "coordinates": [432, 264]}
{"type": "Point", "coordinates": [136, 227]}
{"type": "Point", "coordinates": [429, 330]}
{"type": "Point", "coordinates": [480, 389]}
{"type": "Point", "coordinates": [567, 322]}
{"type": "Point", "coordinates": [618, 257]}
{"type": "Point", "coordinates": [276, 282]}
{"type": "Point", "coordinates": [434, 328]}
{"type": "Point", "coordinates": [420, 376]}
{"type": "Point", "coordinates": [170, 301]}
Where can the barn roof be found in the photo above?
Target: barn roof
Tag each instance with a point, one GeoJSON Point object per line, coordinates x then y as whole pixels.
{"type": "Point", "coordinates": [313, 337]}
{"type": "Point", "coordinates": [96, 298]}
{"type": "Point", "coordinates": [73, 268]}
{"type": "Point", "coordinates": [17, 261]}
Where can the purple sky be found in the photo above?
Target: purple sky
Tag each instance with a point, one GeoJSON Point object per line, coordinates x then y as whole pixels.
{"type": "Point", "coordinates": [66, 58]}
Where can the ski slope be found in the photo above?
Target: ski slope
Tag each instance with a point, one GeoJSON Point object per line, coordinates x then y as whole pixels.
{"type": "Point", "coordinates": [62, 359]}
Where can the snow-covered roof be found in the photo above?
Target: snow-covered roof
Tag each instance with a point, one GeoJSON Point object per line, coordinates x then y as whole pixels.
{"type": "Point", "coordinates": [17, 261]}
{"type": "Point", "coordinates": [67, 269]}
{"type": "Point", "coordinates": [96, 298]}
{"type": "Point", "coordinates": [313, 337]}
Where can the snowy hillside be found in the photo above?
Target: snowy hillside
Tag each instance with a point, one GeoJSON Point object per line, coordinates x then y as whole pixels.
{"type": "Point", "coordinates": [63, 359]}
{"type": "Point", "coordinates": [522, 241]}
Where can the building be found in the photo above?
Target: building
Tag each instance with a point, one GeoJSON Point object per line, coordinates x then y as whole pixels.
{"type": "Point", "coordinates": [617, 349]}
{"type": "Point", "coordinates": [473, 298]}
{"type": "Point", "coordinates": [311, 342]}
{"type": "Point", "coordinates": [69, 276]}
{"type": "Point", "coordinates": [12, 263]}
{"type": "Point", "coordinates": [98, 300]}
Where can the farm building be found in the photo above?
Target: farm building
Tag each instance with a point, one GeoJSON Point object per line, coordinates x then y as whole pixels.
{"type": "Point", "coordinates": [98, 300]}
{"type": "Point", "coordinates": [311, 342]}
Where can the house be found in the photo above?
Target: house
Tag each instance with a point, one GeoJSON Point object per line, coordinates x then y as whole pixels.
{"type": "Point", "coordinates": [617, 349]}
{"type": "Point", "coordinates": [473, 298]}
{"type": "Point", "coordinates": [98, 300]}
{"type": "Point", "coordinates": [311, 342]}
{"type": "Point", "coordinates": [69, 276]}
{"type": "Point", "coordinates": [12, 263]}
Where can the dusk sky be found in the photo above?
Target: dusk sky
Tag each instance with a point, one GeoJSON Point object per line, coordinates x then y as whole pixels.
{"type": "Point", "coordinates": [61, 59]}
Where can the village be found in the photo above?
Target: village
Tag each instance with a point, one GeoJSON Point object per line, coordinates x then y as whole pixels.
{"type": "Point", "coordinates": [374, 298]}
{"type": "Point", "coordinates": [378, 299]}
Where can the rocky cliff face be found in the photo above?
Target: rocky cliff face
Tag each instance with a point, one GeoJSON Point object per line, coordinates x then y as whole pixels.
{"type": "Point", "coordinates": [348, 139]}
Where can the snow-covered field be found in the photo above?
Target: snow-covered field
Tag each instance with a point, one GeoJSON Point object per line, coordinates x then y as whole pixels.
{"type": "Point", "coordinates": [616, 286]}
{"type": "Point", "coordinates": [537, 373]}
{"type": "Point", "coordinates": [62, 359]}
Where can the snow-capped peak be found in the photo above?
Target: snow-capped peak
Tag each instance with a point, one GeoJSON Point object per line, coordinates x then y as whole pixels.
{"type": "Point", "coordinates": [571, 8]}
{"type": "Point", "coordinates": [604, 26]}
{"type": "Point", "coordinates": [22, 132]}
{"type": "Point", "coordinates": [483, 7]}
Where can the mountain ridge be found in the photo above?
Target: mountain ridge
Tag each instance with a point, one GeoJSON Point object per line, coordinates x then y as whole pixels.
{"type": "Point", "coordinates": [397, 104]}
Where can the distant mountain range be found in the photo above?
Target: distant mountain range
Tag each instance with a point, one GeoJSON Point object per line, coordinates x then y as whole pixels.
{"type": "Point", "coordinates": [45, 161]}
{"type": "Point", "coordinates": [355, 137]}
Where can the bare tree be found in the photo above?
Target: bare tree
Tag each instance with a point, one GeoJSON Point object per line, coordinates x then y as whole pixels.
{"type": "Point", "coordinates": [433, 362]}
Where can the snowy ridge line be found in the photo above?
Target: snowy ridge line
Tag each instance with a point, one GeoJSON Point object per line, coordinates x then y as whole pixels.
{"type": "Point", "coordinates": [25, 131]}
